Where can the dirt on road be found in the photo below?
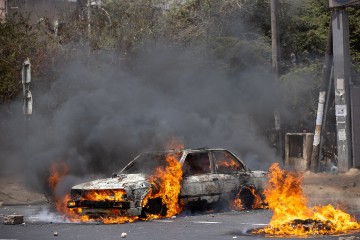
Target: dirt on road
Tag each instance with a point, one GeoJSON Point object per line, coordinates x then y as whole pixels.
{"type": "Point", "coordinates": [342, 189]}
{"type": "Point", "coordinates": [13, 192]}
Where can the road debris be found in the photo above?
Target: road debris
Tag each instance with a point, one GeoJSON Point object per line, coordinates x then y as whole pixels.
{"type": "Point", "coordinates": [56, 233]}
{"type": "Point", "coordinates": [13, 219]}
{"type": "Point", "coordinates": [123, 235]}
{"type": "Point", "coordinates": [349, 238]}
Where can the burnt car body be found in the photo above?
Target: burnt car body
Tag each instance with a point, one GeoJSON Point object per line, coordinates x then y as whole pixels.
{"type": "Point", "coordinates": [209, 176]}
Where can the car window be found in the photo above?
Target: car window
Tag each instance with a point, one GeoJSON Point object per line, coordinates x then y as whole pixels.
{"type": "Point", "coordinates": [226, 162]}
{"type": "Point", "coordinates": [196, 163]}
{"type": "Point", "coordinates": [148, 162]}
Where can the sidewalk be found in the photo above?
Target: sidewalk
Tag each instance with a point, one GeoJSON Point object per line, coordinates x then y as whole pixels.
{"type": "Point", "coordinates": [336, 189]}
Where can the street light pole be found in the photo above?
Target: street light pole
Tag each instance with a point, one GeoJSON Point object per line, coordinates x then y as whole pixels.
{"type": "Point", "coordinates": [28, 100]}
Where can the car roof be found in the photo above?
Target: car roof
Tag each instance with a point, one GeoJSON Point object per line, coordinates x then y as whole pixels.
{"type": "Point", "coordinates": [185, 151]}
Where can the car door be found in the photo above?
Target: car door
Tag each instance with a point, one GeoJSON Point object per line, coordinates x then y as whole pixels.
{"type": "Point", "coordinates": [199, 183]}
{"type": "Point", "coordinates": [231, 173]}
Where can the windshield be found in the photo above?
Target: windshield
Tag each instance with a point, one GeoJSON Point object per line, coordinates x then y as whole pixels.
{"type": "Point", "coordinates": [148, 162]}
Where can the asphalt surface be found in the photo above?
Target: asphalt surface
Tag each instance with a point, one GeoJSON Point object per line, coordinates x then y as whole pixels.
{"type": "Point", "coordinates": [40, 223]}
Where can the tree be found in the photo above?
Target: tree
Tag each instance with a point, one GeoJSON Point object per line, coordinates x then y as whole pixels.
{"type": "Point", "coordinates": [19, 40]}
{"type": "Point", "coordinates": [235, 34]}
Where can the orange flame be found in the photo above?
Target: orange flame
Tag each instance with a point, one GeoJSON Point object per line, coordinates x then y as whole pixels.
{"type": "Point", "coordinates": [57, 171]}
{"type": "Point", "coordinates": [166, 179]}
{"type": "Point", "coordinates": [168, 184]}
{"type": "Point", "coordinates": [225, 164]}
{"type": "Point", "coordinates": [119, 219]}
{"type": "Point", "coordinates": [291, 214]}
{"type": "Point", "coordinates": [103, 195]}
{"type": "Point", "coordinates": [116, 216]}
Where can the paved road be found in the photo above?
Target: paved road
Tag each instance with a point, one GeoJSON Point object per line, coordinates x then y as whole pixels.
{"type": "Point", "coordinates": [40, 224]}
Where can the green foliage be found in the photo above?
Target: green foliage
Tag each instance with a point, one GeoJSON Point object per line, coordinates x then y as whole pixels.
{"type": "Point", "coordinates": [199, 20]}
{"type": "Point", "coordinates": [354, 28]}
{"type": "Point", "coordinates": [303, 31]}
{"type": "Point", "coordinates": [230, 30]}
{"type": "Point", "coordinates": [302, 85]}
{"type": "Point", "coordinates": [240, 54]}
{"type": "Point", "coordinates": [236, 34]}
{"type": "Point", "coordinates": [132, 25]}
{"type": "Point", "coordinates": [19, 40]}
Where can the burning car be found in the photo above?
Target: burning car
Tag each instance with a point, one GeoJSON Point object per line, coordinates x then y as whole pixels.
{"type": "Point", "coordinates": [161, 183]}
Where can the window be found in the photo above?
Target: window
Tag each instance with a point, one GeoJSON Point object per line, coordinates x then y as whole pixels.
{"type": "Point", "coordinates": [226, 162]}
{"type": "Point", "coordinates": [196, 163]}
{"type": "Point", "coordinates": [148, 162]}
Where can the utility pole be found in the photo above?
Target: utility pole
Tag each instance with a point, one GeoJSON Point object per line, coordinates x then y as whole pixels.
{"type": "Point", "coordinates": [342, 79]}
{"type": "Point", "coordinates": [275, 47]}
{"type": "Point", "coordinates": [275, 43]}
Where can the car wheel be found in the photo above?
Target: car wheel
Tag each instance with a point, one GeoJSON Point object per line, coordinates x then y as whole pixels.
{"type": "Point", "coordinates": [247, 198]}
{"type": "Point", "coordinates": [154, 206]}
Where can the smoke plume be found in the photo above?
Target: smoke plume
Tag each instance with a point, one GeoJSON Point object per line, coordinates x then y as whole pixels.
{"type": "Point", "coordinates": [99, 113]}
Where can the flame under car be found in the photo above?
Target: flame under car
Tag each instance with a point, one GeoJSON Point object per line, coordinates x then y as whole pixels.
{"type": "Point", "coordinates": [208, 176]}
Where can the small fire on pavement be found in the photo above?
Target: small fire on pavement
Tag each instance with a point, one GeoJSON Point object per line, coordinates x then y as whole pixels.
{"type": "Point", "coordinates": [291, 216]}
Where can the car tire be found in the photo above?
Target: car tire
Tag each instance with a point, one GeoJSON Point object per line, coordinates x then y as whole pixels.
{"type": "Point", "coordinates": [247, 198]}
{"type": "Point", "coordinates": [154, 206]}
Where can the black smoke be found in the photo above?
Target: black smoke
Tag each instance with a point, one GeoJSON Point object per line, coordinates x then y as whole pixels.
{"type": "Point", "coordinates": [98, 113]}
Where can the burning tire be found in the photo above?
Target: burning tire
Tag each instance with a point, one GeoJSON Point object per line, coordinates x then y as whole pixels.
{"type": "Point", "coordinates": [247, 198]}
{"type": "Point", "coordinates": [154, 206]}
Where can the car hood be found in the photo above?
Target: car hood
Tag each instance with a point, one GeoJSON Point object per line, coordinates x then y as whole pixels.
{"type": "Point", "coordinates": [259, 173]}
{"type": "Point", "coordinates": [122, 181]}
